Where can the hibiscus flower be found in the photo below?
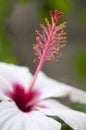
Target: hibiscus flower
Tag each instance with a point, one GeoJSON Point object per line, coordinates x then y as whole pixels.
{"type": "Point", "coordinates": [18, 113]}
{"type": "Point", "coordinates": [26, 101]}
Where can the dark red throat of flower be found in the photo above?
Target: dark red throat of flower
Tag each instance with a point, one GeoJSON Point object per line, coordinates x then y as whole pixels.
{"type": "Point", "coordinates": [26, 102]}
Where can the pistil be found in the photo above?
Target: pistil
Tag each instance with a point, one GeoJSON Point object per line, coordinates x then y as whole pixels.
{"type": "Point", "coordinates": [46, 51]}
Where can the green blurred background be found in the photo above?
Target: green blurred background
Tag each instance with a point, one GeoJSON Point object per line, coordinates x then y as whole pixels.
{"type": "Point", "coordinates": [19, 19]}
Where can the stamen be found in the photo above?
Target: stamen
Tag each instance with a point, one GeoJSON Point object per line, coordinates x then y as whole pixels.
{"type": "Point", "coordinates": [49, 42]}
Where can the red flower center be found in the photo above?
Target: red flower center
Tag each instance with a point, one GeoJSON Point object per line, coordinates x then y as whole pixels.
{"type": "Point", "coordinates": [26, 102]}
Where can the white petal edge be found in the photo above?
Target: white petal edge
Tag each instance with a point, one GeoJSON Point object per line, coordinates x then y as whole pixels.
{"type": "Point", "coordinates": [42, 122]}
{"type": "Point", "coordinates": [15, 74]}
{"type": "Point", "coordinates": [75, 119]}
{"type": "Point", "coordinates": [12, 118]}
{"type": "Point", "coordinates": [77, 95]}
{"type": "Point", "coordinates": [52, 88]}
{"type": "Point", "coordinates": [49, 87]}
{"type": "Point", "coordinates": [4, 85]}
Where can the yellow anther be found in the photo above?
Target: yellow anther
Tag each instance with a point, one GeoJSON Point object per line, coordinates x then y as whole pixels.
{"type": "Point", "coordinates": [62, 31]}
{"type": "Point", "coordinates": [41, 25]}
{"type": "Point", "coordinates": [46, 20]}
{"type": "Point", "coordinates": [54, 41]}
{"type": "Point", "coordinates": [37, 38]}
{"type": "Point", "coordinates": [52, 56]}
{"type": "Point", "coordinates": [37, 31]}
{"type": "Point", "coordinates": [64, 37]}
{"type": "Point", "coordinates": [63, 45]}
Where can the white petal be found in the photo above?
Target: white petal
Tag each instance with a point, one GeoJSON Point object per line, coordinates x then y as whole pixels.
{"type": "Point", "coordinates": [75, 119]}
{"type": "Point", "coordinates": [15, 74]}
{"type": "Point", "coordinates": [3, 97]}
{"type": "Point", "coordinates": [52, 104]}
{"type": "Point", "coordinates": [4, 85]}
{"type": "Point", "coordinates": [42, 122]}
{"type": "Point", "coordinates": [77, 95]}
{"type": "Point", "coordinates": [7, 115]}
{"type": "Point", "coordinates": [52, 88]}
{"type": "Point", "coordinates": [11, 118]}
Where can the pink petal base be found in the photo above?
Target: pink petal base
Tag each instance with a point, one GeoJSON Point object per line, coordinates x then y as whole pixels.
{"type": "Point", "coordinates": [26, 102]}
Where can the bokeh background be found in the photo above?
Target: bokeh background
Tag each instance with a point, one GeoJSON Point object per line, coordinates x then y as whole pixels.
{"type": "Point", "coordinates": [19, 19]}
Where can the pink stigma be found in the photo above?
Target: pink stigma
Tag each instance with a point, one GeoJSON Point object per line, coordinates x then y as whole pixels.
{"type": "Point", "coordinates": [55, 17]}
